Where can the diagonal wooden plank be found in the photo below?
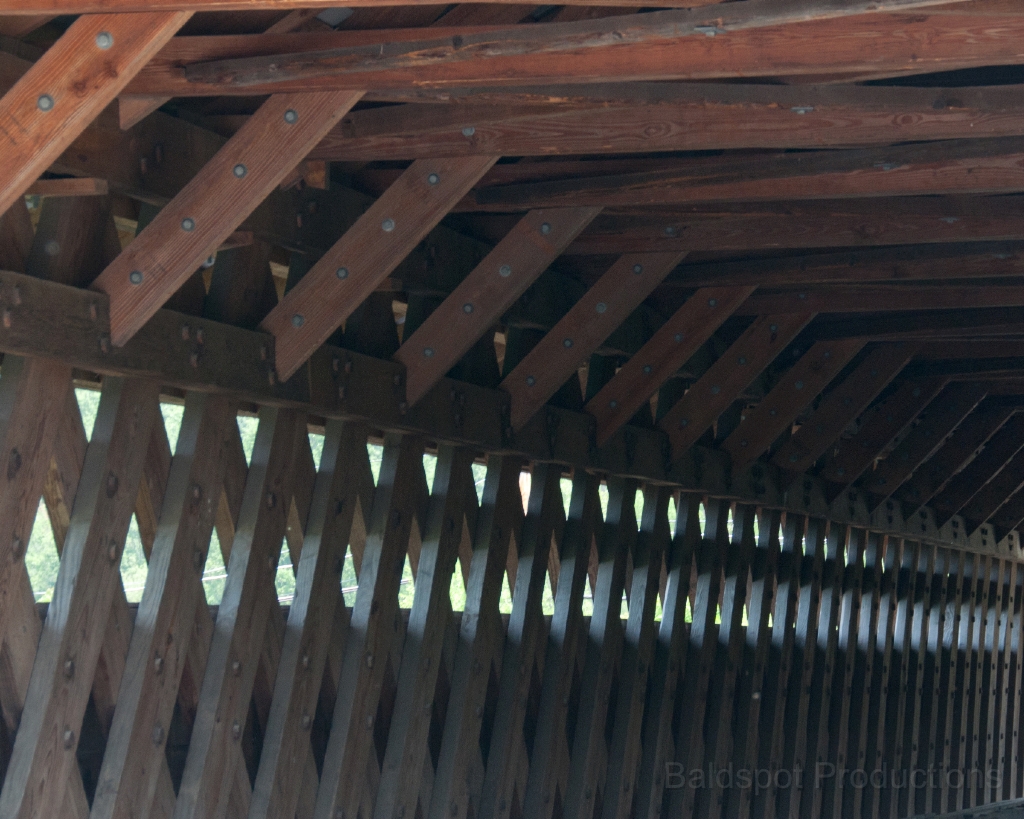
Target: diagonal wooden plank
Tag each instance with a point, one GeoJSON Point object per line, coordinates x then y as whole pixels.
{"type": "Point", "coordinates": [403, 770]}
{"type": "Point", "coordinates": [569, 344]}
{"type": "Point", "coordinates": [987, 500]}
{"type": "Point", "coordinates": [485, 294]}
{"type": "Point", "coordinates": [882, 424]}
{"type": "Point", "coordinates": [155, 659]}
{"type": "Point", "coordinates": [544, 520]}
{"type": "Point", "coordinates": [86, 585]}
{"type": "Point", "coordinates": [737, 368]}
{"type": "Point", "coordinates": [798, 387]}
{"type": "Point", "coordinates": [374, 246]}
{"type": "Point", "coordinates": [371, 629]}
{"type": "Point", "coordinates": [231, 668]}
{"type": "Point", "coordinates": [54, 102]}
{"type": "Point", "coordinates": [841, 406]}
{"type": "Point", "coordinates": [195, 223]}
{"type": "Point", "coordinates": [343, 487]}
{"type": "Point", "coordinates": [564, 639]}
{"type": "Point", "coordinates": [951, 407]}
{"type": "Point", "coordinates": [667, 350]}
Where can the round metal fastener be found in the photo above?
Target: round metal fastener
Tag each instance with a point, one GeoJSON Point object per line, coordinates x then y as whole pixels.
{"type": "Point", "coordinates": [545, 228]}
{"type": "Point", "coordinates": [158, 734]}
{"type": "Point", "coordinates": [104, 40]}
{"type": "Point", "coordinates": [505, 271]}
{"type": "Point", "coordinates": [387, 225]}
{"type": "Point", "coordinates": [433, 178]}
{"type": "Point", "coordinates": [715, 389]}
{"type": "Point", "coordinates": [135, 277]}
{"type": "Point", "coordinates": [188, 223]}
{"type": "Point", "coordinates": [52, 247]}
{"type": "Point", "coordinates": [684, 422]}
{"type": "Point", "coordinates": [742, 359]}
{"type": "Point", "coordinates": [467, 307]}
{"type": "Point", "coordinates": [613, 404]}
{"type": "Point", "coordinates": [647, 369]}
{"type": "Point", "coordinates": [240, 170]}
{"type": "Point", "coordinates": [530, 381]}
{"type": "Point", "coordinates": [600, 307]}
{"type": "Point", "coordinates": [712, 302]}
{"type": "Point", "coordinates": [298, 320]}
{"type": "Point", "coordinates": [468, 131]}
{"type": "Point", "coordinates": [677, 337]}
{"type": "Point", "coordinates": [428, 352]}
{"type": "Point", "coordinates": [799, 385]}
{"type": "Point", "coordinates": [45, 103]}
{"type": "Point", "coordinates": [638, 269]}
{"type": "Point", "coordinates": [567, 343]}
{"type": "Point", "coordinates": [291, 116]}
{"type": "Point", "coordinates": [341, 272]}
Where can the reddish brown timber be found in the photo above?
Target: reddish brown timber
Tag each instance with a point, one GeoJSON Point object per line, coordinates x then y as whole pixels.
{"type": "Point", "coordinates": [70, 85]}
{"type": "Point", "coordinates": [242, 617]}
{"type": "Point", "coordinates": [882, 424]}
{"type": "Point", "coordinates": [999, 449]}
{"type": "Point", "coordinates": [984, 503]}
{"type": "Point", "coordinates": [68, 654]}
{"type": "Point", "coordinates": [950, 408]}
{"type": "Point", "coordinates": [154, 663]}
{"type": "Point", "coordinates": [374, 246]}
{"type": "Point", "coordinates": [569, 344]}
{"type": "Point", "coordinates": [969, 436]}
{"type": "Point", "coordinates": [485, 294]}
{"type": "Point", "coordinates": [669, 666]}
{"type": "Point", "coordinates": [565, 637]}
{"type": "Point", "coordinates": [342, 492]}
{"type": "Point", "coordinates": [797, 388]}
{"type": "Point", "coordinates": [24, 7]}
{"type": "Point", "coordinates": [667, 350]}
{"type": "Point", "coordinates": [544, 524]}
{"type": "Point", "coordinates": [737, 368]}
{"type": "Point", "coordinates": [579, 52]}
{"type": "Point", "coordinates": [644, 117]}
{"type": "Point", "coordinates": [15, 237]}
{"type": "Point", "coordinates": [872, 299]}
{"type": "Point", "coordinates": [638, 648]}
{"type": "Point", "coordinates": [616, 541]}
{"type": "Point", "coordinates": [229, 188]}
{"type": "Point", "coordinates": [480, 630]}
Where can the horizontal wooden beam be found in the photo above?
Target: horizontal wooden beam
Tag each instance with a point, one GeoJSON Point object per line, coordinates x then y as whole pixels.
{"type": "Point", "coordinates": [53, 7]}
{"type": "Point", "coordinates": [739, 42]}
{"type": "Point", "coordinates": [189, 353]}
{"type": "Point", "coordinates": [883, 298]}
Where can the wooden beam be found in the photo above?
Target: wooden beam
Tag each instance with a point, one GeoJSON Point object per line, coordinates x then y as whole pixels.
{"type": "Point", "coordinates": [841, 406]}
{"type": "Point", "coordinates": [737, 368]}
{"type": "Point", "coordinates": [652, 49]}
{"type": "Point", "coordinates": [796, 389]}
{"type": "Point", "coordinates": [485, 294]}
{"type": "Point", "coordinates": [68, 654]}
{"type": "Point", "coordinates": [374, 246]}
{"type": "Point", "coordinates": [666, 351]}
{"type": "Point", "coordinates": [951, 408]}
{"type": "Point", "coordinates": [44, 188]}
{"type": "Point", "coordinates": [37, 7]}
{"type": "Point", "coordinates": [987, 500]}
{"type": "Point", "coordinates": [569, 344]}
{"type": "Point", "coordinates": [69, 86]}
{"type": "Point", "coordinates": [646, 117]}
{"type": "Point", "coordinates": [191, 228]}
{"type": "Point", "coordinates": [883, 298]}
{"type": "Point", "coordinates": [886, 421]}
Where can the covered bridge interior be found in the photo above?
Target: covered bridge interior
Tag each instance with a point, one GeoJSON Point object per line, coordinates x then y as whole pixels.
{"type": "Point", "coordinates": [502, 411]}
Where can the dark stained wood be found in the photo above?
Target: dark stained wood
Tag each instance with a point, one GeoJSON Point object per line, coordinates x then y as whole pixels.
{"type": "Point", "coordinates": [993, 494]}
{"type": "Point", "coordinates": [717, 388]}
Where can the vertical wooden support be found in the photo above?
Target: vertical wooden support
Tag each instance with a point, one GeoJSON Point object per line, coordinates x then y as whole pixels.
{"type": "Point", "coordinates": [500, 517]}
{"type": "Point", "coordinates": [791, 653]}
{"type": "Point", "coordinates": [711, 554]}
{"type": "Point", "coordinates": [160, 646]}
{"type": "Point", "coordinates": [544, 521]}
{"type": "Point", "coordinates": [372, 628]}
{"type": "Point", "coordinates": [223, 703]}
{"type": "Point", "coordinates": [638, 648]}
{"type": "Point", "coordinates": [966, 637]}
{"type": "Point", "coordinates": [88, 578]}
{"type": "Point", "coordinates": [669, 664]}
{"type": "Point", "coordinates": [1000, 682]}
{"type": "Point", "coordinates": [564, 638]}
{"type": "Point", "coordinates": [947, 678]}
{"type": "Point", "coordinates": [974, 786]}
{"type": "Point", "coordinates": [986, 723]}
{"type": "Point", "coordinates": [924, 729]}
{"type": "Point", "coordinates": [1011, 778]}
{"type": "Point", "coordinates": [343, 489]}
{"type": "Point", "coordinates": [603, 651]}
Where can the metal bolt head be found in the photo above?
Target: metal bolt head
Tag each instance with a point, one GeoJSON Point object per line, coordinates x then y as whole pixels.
{"type": "Point", "coordinates": [291, 116]}
{"type": "Point", "coordinates": [45, 103]}
{"type": "Point", "coordinates": [742, 359]}
{"type": "Point", "coordinates": [135, 277]}
{"type": "Point", "coordinates": [545, 228]}
{"type": "Point", "coordinates": [715, 389]}
{"type": "Point", "coordinates": [306, 722]}
{"type": "Point", "coordinates": [638, 269]}
{"type": "Point", "coordinates": [188, 223]}
{"type": "Point", "coordinates": [236, 730]}
{"type": "Point", "coordinates": [468, 131]}
{"type": "Point", "coordinates": [428, 352]}
{"type": "Point", "coordinates": [677, 337]}
{"type": "Point", "coordinates": [387, 225]}
{"type": "Point", "coordinates": [505, 271]}
{"type": "Point", "coordinates": [433, 178]}
{"type": "Point", "coordinates": [104, 40]}
{"type": "Point", "coordinates": [158, 734]}
{"type": "Point", "coordinates": [799, 385]}
{"type": "Point", "coordinates": [671, 230]}
{"type": "Point", "coordinates": [467, 308]}
{"type": "Point", "coordinates": [298, 320]}
{"type": "Point", "coordinates": [613, 404]}
{"type": "Point", "coordinates": [69, 668]}
{"type": "Point", "coordinates": [683, 422]}
{"type": "Point", "coordinates": [158, 664]}
{"type": "Point", "coordinates": [69, 737]}
{"type": "Point", "coordinates": [567, 343]}
{"type": "Point", "coordinates": [236, 667]}
{"type": "Point", "coordinates": [52, 247]}
{"type": "Point", "coordinates": [341, 272]}
{"type": "Point", "coordinates": [647, 369]}
{"type": "Point", "coordinates": [210, 262]}
{"type": "Point", "coordinates": [240, 170]}
{"type": "Point", "coordinates": [712, 302]}
{"type": "Point", "coordinates": [530, 381]}
{"type": "Point", "coordinates": [600, 307]}
{"type": "Point", "coordinates": [305, 661]}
